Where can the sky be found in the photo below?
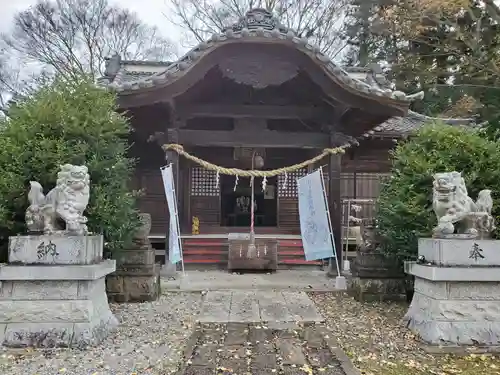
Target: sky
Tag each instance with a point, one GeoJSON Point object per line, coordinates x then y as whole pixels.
{"type": "Point", "coordinates": [152, 13]}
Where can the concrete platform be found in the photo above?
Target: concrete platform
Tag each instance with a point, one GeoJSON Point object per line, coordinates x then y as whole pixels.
{"type": "Point", "coordinates": [258, 306]}
{"type": "Point", "coordinates": [198, 281]}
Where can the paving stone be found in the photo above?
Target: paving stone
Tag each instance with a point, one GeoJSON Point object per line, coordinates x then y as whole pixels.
{"type": "Point", "coordinates": [261, 372]}
{"type": "Point", "coordinates": [301, 307]}
{"type": "Point", "coordinates": [291, 351]}
{"type": "Point", "coordinates": [216, 307]}
{"type": "Point", "coordinates": [233, 366]}
{"type": "Point", "coordinates": [273, 307]}
{"type": "Point", "coordinates": [205, 355]}
{"type": "Point", "coordinates": [199, 370]}
{"type": "Point", "coordinates": [282, 326]}
{"type": "Point", "coordinates": [287, 370]}
{"type": "Point", "coordinates": [259, 335]}
{"type": "Point", "coordinates": [214, 335]}
{"type": "Point", "coordinates": [262, 351]}
{"type": "Point", "coordinates": [263, 348]}
{"type": "Point", "coordinates": [264, 361]}
{"type": "Point", "coordinates": [319, 357]}
{"type": "Point", "coordinates": [333, 370]}
{"type": "Point", "coordinates": [236, 336]}
{"type": "Point", "coordinates": [313, 337]}
{"type": "Point", "coordinates": [286, 333]}
{"type": "Point", "coordinates": [234, 351]}
{"type": "Point", "coordinates": [244, 308]}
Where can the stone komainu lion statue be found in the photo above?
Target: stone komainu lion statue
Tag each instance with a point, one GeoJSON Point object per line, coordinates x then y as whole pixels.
{"type": "Point", "coordinates": [66, 202]}
{"type": "Point", "coordinates": [454, 207]}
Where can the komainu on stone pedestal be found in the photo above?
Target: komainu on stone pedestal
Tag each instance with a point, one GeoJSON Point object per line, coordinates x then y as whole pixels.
{"type": "Point", "coordinates": [52, 292]}
{"type": "Point", "coordinates": [457, 278]}
{"type": "Point", "coordinates": [457, 212]}
{"type": "Point", "coordinates": [66, 202]}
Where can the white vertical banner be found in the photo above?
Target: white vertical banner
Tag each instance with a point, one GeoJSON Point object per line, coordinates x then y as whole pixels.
{"type": "Point", "coordinates": [174, 238]}
{"type": "Point", "coordinates": [315, 226]}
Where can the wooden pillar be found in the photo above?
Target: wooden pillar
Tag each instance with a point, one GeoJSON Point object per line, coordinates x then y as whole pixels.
{"type": "Point", "coordinates": [335, 204]}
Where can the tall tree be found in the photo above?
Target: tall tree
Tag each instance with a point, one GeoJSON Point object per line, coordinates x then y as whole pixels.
{"type": "Point", "coordinates": [448, 48]}
{"type": "Point", "coordinates": [73, 37]}
{"type": "Point", "coordinates": [319, 20]}
{"type": "Point", "coordinates": [452, 45]}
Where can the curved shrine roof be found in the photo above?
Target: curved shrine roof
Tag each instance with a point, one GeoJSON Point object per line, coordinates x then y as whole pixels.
{"type": "Point", "coordinates": [395, 127]}
{"type": "Point", "coordinates": [258, 26]}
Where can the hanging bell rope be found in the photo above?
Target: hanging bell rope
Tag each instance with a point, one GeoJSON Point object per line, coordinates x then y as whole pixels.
{"type": "Point", "coordinates": [252, 172]}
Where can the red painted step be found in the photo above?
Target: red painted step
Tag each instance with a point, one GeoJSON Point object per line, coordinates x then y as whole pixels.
{"type": "Point", "coordinates": [290, 252]}
{"type": "Point", "coordinates": [215, 250]}
{"type": "Point", "coordinates": [300, 261]}
{"type": "Point", "coordinates": [189, 251]}
{"type": "Point", "coordinates": [203, 260]}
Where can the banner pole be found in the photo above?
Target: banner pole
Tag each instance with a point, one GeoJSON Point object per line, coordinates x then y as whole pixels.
{"type": "Point", "coordinates": [332, 238]}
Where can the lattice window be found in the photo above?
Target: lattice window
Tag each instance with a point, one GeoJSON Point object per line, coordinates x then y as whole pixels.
{"type": "Point", "coordinates": [204, 182]}
{"type": "Point", "coordinates": [290, 189]}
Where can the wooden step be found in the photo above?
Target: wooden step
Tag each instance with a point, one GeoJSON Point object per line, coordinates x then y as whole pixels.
{"type": "Point", "coordinates": [200, 243]}
{"type": "Point", "coordinates": [206, 251]}
{"type": "Point", "coordinates": [300, 262]}
{"type": "Point", "coordinates": [188, 260]}
{"type": "Point", "coordinates": [191, 251]}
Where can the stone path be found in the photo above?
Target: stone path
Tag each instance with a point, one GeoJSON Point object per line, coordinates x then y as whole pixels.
{"type": "Point", "coordinates": [258, 306]}
{"type": "Point", "coordinates": [237, 348]}
{"type": "Point", "coordinates": [295, 280]}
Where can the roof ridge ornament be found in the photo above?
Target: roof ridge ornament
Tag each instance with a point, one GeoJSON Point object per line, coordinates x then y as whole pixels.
{"type": "Point", "coordinates": [258, 18]}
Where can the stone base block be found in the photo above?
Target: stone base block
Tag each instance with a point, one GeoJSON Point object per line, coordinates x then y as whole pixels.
{"type": "Point", "coordinates": [135, 257]}
{"type": "Point", "coordinates": [133, 288]}
{"type": "Point", "coordinates": [460, 252]}
{"type": "Point", "coordinates": [54, 313]}
{"type": "Point", "coordinates": [55, 249]}
{"type": "Point", "coordinates": [456, 313]}
{"type": "Point", "coordinates": [371, 290]}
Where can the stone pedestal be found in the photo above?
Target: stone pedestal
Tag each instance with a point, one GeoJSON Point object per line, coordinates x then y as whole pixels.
{"type": "Point", "coordinates": [376, 278]}
{"type": "Point", "coordinates": [137, 277]}
{"type": "Point", "coordinates": [53, 292]}
{"type": "Point", "coordinates": [263, 257]}
{"type": "Point", "coordinates": [457, 292]}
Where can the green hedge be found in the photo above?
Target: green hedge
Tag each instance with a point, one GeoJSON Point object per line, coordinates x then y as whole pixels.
{"type": "Point", "coordinates": [68, 123]}
{"type": "Point", "coordinates": [404, 208]}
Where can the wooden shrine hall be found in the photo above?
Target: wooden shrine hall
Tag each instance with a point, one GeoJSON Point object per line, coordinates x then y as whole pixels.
{"type": "Point", "coordinates": [257, 89]}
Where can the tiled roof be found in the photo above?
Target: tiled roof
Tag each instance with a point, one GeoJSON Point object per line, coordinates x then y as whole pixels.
{"type": "Point", "coordinates": [126, 75]}
{"type": "Point", "coordinates": [403, 126]}
{"type": "Point", "coordinates": [395, 127]}
{"type": "Point", "coordinates": [258, 25]}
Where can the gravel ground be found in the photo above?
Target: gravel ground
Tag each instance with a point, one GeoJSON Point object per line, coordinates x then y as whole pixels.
{"type": "Point", "coordinates": [379, 344]}
{"type": "Point", "coordinates": [148, 341]}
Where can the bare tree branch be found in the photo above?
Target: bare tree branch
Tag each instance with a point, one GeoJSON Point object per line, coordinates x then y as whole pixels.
{"type": "Point", "coordinates": [318, 20]}
{"type": "Point", "coordinates": [74, 37]}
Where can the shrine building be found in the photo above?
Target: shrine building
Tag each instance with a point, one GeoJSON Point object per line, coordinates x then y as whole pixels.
{"type": "Point", "coordinates": [257, 89]}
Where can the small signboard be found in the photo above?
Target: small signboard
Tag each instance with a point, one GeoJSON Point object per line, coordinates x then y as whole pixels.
{"type": "Point", "coordinates": [315, 226]}
{"type": "Point", "coordinates": [174, 238]}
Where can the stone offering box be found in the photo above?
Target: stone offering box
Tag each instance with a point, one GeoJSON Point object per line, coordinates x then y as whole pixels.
{"type": "Point", "coordinates": [53, 292]}
{"type": "Point", "coordinates": [457, 292]}
{"type": "Point", "coordinates": [264, 257]}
